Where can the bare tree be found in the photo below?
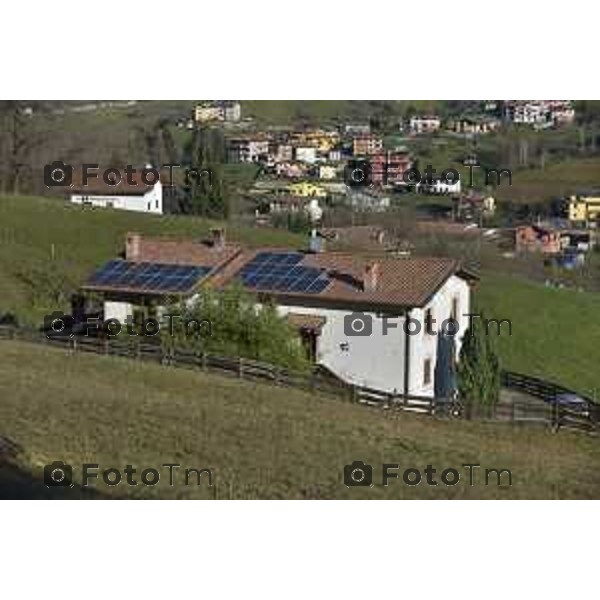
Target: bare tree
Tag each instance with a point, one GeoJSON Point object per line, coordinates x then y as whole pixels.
{"type": "Point", "coordinates": [19, 138]}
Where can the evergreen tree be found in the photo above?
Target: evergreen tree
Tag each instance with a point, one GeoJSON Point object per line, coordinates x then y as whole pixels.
{"type": "Point", "coordinates": [206, 153]}
{"type": "Point", "coordinates": [478, 372]}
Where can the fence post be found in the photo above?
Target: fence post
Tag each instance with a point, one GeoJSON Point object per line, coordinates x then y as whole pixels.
{"type": "Point", "coordinates": [73, 345]}
{"type": "Point", "coordinates": [240, 367]}
{"type": "Point", "coordinates": [467, 408]}
{"type": "Point", "coordinates": [555, 415]}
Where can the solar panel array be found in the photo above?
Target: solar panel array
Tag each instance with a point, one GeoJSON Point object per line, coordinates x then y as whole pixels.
{"type": "Point", "coordinates": [280, 271]}
{"type": "Point", "coordinates": [148, 276]}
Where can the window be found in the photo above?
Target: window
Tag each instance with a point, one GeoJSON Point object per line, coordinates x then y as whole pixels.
{"type": "Point", "coordinates": [427, 371]}
{"type": "Point", "coordinates": [156, 203]}
{"type": "Point", "coordinates": [429, 322]}
{"type": "Point", "coordinates": [149, 205]}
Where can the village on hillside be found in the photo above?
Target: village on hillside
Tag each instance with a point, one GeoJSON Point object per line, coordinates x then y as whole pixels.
{"type": "Point", "coordinates": [408, 258]}
{"type": "Point", "coordinates": [306, 268]}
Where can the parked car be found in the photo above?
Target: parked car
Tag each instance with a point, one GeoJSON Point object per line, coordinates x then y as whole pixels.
{"type": "Point", "coordinates": [574, 403]}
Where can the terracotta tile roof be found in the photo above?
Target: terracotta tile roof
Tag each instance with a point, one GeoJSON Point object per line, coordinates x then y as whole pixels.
{"type": "Point", "coordinates": [306, 322]}
{"type": "Point", "coordinates": [402, 281]}
{"type": "Point", "coordinates": [363, 237]}
{"type": "Point", "coordinates": [356, 281]}
{"type": "Point", "coordinates": [184, 252]}
{"type": "Point", "coordinates": [96, 185]}
{"type": "Point", "coordinates": [447, 228]}
{"type": "Point", "coordinates": [169, 251]}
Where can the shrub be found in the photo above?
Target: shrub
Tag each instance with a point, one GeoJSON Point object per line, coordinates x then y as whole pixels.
{"type": "Point", "coordinates": [230, 324]}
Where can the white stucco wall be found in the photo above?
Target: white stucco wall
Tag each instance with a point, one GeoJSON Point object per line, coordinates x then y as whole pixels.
{"type": "Point", "coordinates": [374, 361]}
{"type": "Point", "coordinates": [424, 345]}
{"type": "Point", "coordinates": [306, 154]}
{"type": "Point", "coordinates": [377, 360]}
{"type": "Point", "coordinates": [117, 310]}
{"type": "Point", "coordinates": [439, 186]}
{"type": "Point", "coordinates": [150, 202]}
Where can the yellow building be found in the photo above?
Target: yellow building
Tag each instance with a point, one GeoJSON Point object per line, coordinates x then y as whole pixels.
{"type": "Point", "coordinates": [306, 189]}
{"type": "Point", "coordinates": [584, 209]}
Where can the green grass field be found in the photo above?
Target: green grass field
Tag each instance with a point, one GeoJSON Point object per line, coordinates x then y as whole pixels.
{"type": "Point", "coordinates": [322, 112]}
{"type": "Point", "coordinates": [260, 441]}
{"type": "Point", "coordinates": [555, 332]}
{"type": "Point", "coordinates": [558, 180]}
{"type": "Point", "coordinates": [46, 234]}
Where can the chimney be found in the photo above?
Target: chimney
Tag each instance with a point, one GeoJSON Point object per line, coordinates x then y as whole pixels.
{"type": "Point", "coordinates": [371, 276]}
{"type": "Point", "coordinates": [218, 237]}
{"type": "Point", "coordinates": [133, 246]}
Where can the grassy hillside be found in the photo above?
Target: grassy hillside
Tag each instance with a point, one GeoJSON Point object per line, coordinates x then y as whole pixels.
{"type": "Point", "coordinates": [555, 181]}
{"type": "Point", "coordinates": [260, 441]}
{"type": "Point", "coordinates": [32, 229]}
{"type": "Point", "coordinates": [40, 237]}
{"type": "Point", "coordinates": [285, 112]}
{"type": "Point", "coordinates": [555, 331]}
{"type": "Point", "coordinates": [118, 133]}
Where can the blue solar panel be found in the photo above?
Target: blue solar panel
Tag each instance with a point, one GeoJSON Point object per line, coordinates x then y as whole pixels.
{"type": "Point", "coordinates": [318, 286]}
{"type": "Point", "coordinates": [274, 258]}
{"type": "Point", "coordinates": [148, 276]}
{"type": "Point", "coordinates": [281, 271]}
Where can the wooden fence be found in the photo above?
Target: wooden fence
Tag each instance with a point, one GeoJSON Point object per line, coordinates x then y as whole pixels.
{"type": "Point", "coordinates": [534, 386]}
{"type": "Point", "coordinates": [550, 412]}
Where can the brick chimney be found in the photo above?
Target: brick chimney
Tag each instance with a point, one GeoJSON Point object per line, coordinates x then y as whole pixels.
{"type": "Point", "coordinates": [133, 245]}
{"type": "Point", "coordinates": [371, 276]}
{"type": "Point", "coordinates": [218, 237]}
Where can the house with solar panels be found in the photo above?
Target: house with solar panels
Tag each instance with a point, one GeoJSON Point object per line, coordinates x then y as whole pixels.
{"type": "Point", "coordinates": [156, 269]}
{"type": "Point", "coordinates": [370, 322]}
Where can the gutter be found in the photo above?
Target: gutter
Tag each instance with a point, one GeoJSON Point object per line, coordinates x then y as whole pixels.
{"type": "Point", "coordinates": [406, 356]}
